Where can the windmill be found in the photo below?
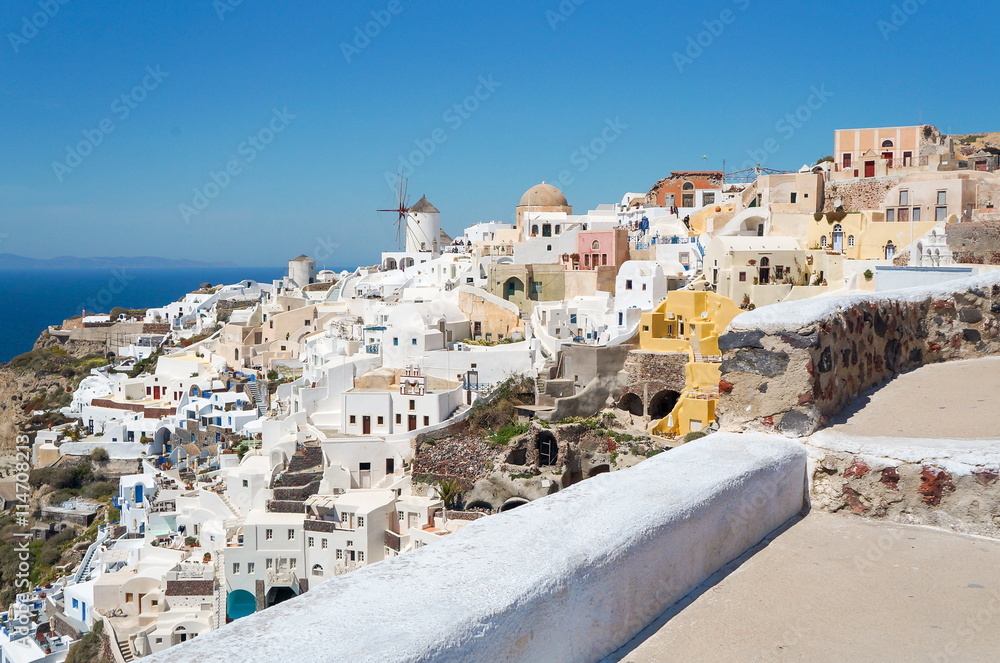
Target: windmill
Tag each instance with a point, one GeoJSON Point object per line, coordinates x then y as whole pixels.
{"type": "Point", "coordinates": [402, 209]}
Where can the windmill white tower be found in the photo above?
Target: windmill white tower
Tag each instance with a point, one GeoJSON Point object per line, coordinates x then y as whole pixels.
{"type": "Point", "coordinates": [423, 227]}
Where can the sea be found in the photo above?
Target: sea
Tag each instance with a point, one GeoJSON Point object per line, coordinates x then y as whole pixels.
{"type": "Point", "coordinates": [33, 299]}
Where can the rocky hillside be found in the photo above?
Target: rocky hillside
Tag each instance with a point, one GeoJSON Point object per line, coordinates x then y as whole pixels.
{"type": "Point", "coordinates": [42, 380]}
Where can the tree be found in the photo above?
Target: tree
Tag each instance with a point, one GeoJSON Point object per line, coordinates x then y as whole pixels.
{"type": "Point", "coordinates": [99, 455]}
{"type": "Point", "coordinates": [449, 491]}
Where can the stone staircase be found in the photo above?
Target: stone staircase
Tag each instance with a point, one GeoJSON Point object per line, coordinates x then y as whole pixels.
{"type": "Point", "coordinates": [253, 388]}
{"type": "Point", "coordinates": [126, 650]}
{"type": "Point", "coordinates": [299, 481]}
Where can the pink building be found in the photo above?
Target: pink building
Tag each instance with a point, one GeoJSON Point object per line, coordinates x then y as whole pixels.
{"type": "Point", "coordinates": [599, 248]}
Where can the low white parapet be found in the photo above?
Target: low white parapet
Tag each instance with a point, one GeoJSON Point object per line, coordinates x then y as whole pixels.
{"type": "Point", "coordinates": [568, 578]}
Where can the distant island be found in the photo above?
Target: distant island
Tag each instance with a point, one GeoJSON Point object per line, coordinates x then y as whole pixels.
{"type": "Point", "coordinates": [11, 261]}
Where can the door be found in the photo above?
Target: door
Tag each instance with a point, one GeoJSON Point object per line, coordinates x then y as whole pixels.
{"type": "Point", "coordinates": [888, 157]}
{"type": "Point", "coordinates": [412, 422]}
{"type": "Point", "coordinates": [390, 465]}
{"type": "Point", "coordinates": [413, 520]}
{"type": "Point", "coordinates": [366, 425]}
{"type": "Point", "coordinates": [869, 169]}
{"type": "Point", "coordinates": [838, 239]}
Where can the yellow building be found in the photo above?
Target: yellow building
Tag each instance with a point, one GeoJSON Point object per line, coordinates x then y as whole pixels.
{"type": "Point", "coordinates": [690, 321]}
{"type": "Point", "coordinates": [864, 235]}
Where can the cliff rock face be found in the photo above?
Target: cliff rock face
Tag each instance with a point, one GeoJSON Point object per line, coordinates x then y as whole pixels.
{"type": "Point", "coordinates": [55, 372]}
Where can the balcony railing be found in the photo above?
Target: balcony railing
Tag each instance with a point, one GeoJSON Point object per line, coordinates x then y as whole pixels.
{"type": "Point", "coordinates": [282, 578]}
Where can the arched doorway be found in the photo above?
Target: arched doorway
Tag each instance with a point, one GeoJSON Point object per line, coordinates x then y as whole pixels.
{"type": "Point", "coordinates": [631, 403]}
{"type": "Point", "coordinates": [278, 595]}
{"type": "Point", "coordinates": [662, 403]}
{"type": "Point", "coordinates": [548, 448]}
{"type": "Point", "coordinates": [240, 603]}
{"type": "Point", "coordinates": [480, 505]}
{"type": "Point", "coordinates": [513, 503]}
{"type": "Point", "coordinates": [513, 288]}
{"type": "Point", "coordinates": [598, 469]}
{"type": "Point", "coordinates": [838, 238]}
{"type": "Point", "coordinates": [765, 271]}
{"type": "Point", "coordinates": [890, 250]}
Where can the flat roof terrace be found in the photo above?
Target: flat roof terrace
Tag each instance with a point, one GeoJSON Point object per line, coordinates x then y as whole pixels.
{"type": "Point", "coordinates": [831, 587]}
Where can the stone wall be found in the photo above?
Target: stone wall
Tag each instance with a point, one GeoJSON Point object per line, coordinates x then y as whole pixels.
{"type": "Point", "coordinates": [791, 366]}
{"type": "Point", "coordinates": [607, 557]}
{"type": "Point", "coordinates": [648, 373]}
{"type": "Point", "coordinates": [975, 243]}
{"type": "Point", "coordinates": [859, 195]}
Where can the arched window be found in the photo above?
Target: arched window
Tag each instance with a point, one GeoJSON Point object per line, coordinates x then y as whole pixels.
{"type": "Point", "coordinates": [596, 246]}
{"type": "Point", "coordinates": [850, 240]}
{"type": "Point", "coordinates": [534, 229]}
{"type": "Point", "coordinates": [317, 570]}
{"type": "Point", "coordinates": [822, 242]}
{"type": "Point", "coordinates": [886, 143]}
{"type": "Point", "coordinates": [765, 262]}
{"type": "Point", "coordinates": [687, 186]}
{"type": "Point", "coordinates": [838, 228]}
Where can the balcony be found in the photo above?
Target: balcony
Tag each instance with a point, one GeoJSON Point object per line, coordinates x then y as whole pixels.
{"type": "Point", "coordinates": [282, 578]}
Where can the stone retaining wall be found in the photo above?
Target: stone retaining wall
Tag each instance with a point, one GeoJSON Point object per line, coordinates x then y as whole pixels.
{"type": "Point", "coordinates": [791, 366]}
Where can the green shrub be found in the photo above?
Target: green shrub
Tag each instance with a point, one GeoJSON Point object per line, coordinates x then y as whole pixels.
{"type": "Point", "coordinates": [99, 455]}
{"type": "Point", "coordinates": [503, 436]}
{"type": "Point", "coordinates": [694, 435]}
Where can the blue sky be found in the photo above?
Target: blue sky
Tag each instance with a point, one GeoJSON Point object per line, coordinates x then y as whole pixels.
{"type": "Point", "coordinates": [116, 115]}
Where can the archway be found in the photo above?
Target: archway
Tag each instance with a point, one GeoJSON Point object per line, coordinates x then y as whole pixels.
{"type": "Point", "coordinates": [480, 505]}
{"type": "Point", "coordinates": [279, 595]}
{"type": "Point", "coordinates": [240, 603]}
{"type": "Point", "coordinates": [598, 469]}
{"type": "Point", "coordinates": [548, 448]}
{"type": "Point", "coordinates": [631, 403]}
{"type": "Point", "coordinates": [513, 288]}
{"type": "Point", "coordinates": [765, 271]}
{"type": "Point", "coordinates": [389, 264]}
{"type": "Point", "coordinates": [513, 503]}
{"type": "Point", "coordinates": [662, 403]}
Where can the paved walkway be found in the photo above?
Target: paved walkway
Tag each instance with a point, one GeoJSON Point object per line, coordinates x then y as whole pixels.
{"type": "Point", "coordinates": [833, 587]}
{"type": "Point", "coordinates": [952, 400]}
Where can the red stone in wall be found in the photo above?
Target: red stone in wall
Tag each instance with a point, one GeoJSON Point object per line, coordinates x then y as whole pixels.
{"type": "Point", "coordinates": [934, 481]}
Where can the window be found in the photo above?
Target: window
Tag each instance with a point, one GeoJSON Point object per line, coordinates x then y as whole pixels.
{"type": "Point", "coordinates": [890, 215]}
{"type": "Point", "coordinates": [628, 284]}
{"type": "Point", "coordinates": [413, 404]}
{"type": "Point", "coordinates": [395, 340]}
{"type": "Point", "coordinates": [546, 230]}
{"type": "Point", "coordinates": [548, 247]}
{"type": "Point", "coordinates": [268, 534]}
{"type": "Point", "coordinates": [353, 419]}
{"type": "Point", "coordinates": [915, 214]}
{"type": "Point", "coordinates": [324, 544]}
{"type": "Point", "coordinates": [312, 542]}
{"type": "Point", "coordinates": [317, 570]}
{"type": "Point", "coordinates": [886, 143]}
{"type": "Point", "coordinates": [558, 229]}
{"type": "Point", "coordinates": [340, 554]}
{"type": "Point", "coordinates": [536, 287]}
{"type": "Point", "coordinates": [246, 484]}
{"type": "Point", "coordinates": [743, 277]}
{"type": "Point", "coordinates": [942, 197]}
{"type": "Point", "coordinates": [688, 186]}
{"type": "Point", "coordinates": [268, 563]}
{"type": "Point", "coordinates": [940, 213]}
{"type": "Point", "coordinates": [76, 604]}
{"type": "Point", "coordinates": [343, 517]}
{"type": "Point", "coordinates": [794, 198]}
{"type": "Point", "coordinates": [687, 200]}
{"type": "Point", "coordinates": [621, 318]}
{"type": "Point", "coordinates": [685, 258]}
{"type": "Point", "coordinates": [350, 544]}
{"type": "Point", "coordinates": [643, 286]}
{"type": "Point", "coordinates": [413, 341]}
{"type": "Point", "coordinates": [236, 569]}
{"type": "Point", "coordinates": [381, 421]}
{"type": "Point", "coordinates": [251, 566]}
{"type": "Point", "coordinates": [292, 563]}
{"type": "Point", "coordinates": [595, 245]}
{"type": "Point", "coordinates": [399, 418]}
{"type": "Point", "coordinates": [128, 595]}
{"type": "Point", "coordinates": [847, 159]}
{"type": "Point", "coordinates": [904, 197]}
{"type": "Point", "coordinates": [291, 535]}
{"type": "Point", "coordinates": [850, 240]}
{"type": "Point", "coordinates": [427, 421]}
{"type": "Point", "coordinates": [361, 556]}
{"type": "Point", "coordinates": [361, 521]}
{"type": "Point", "coordinates": [645, 328]}
{"type": "Point", "coordinates": [709, 198]}
{"type": "Point", "coordinates": [822, 242]}
{"type": "Point", "coordinates": [534, 230]}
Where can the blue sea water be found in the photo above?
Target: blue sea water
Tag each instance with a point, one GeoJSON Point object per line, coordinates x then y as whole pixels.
{"type": "Point", "coordinates": [31, 300]}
